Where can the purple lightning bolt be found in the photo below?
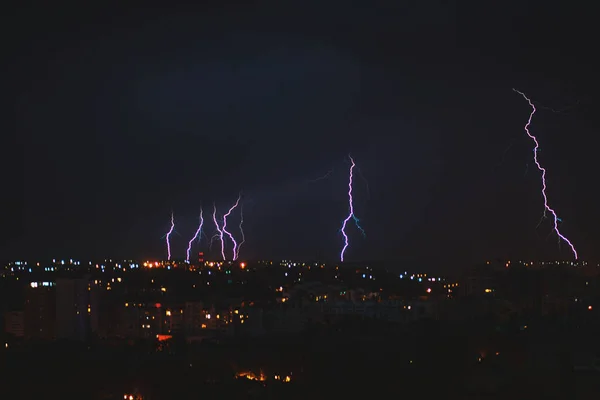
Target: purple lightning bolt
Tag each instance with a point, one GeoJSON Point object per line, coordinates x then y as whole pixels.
{"type": "Point", "coordinates": [225, 226]}
{"type": "Point", "coordinates": [219, 230]}
{"type": "Point", "coordinates": [169, 236]}
{"type": "Point", "coordinates": [187, 253]}
{"type": "Point", "coordinates": [237, 253]}
{"type": "Point", "coordinates": [351, 210]}
{"type": "Point", "coordinates": [212, 240]}
{"type": "Point", "coordinates": [543, 171]}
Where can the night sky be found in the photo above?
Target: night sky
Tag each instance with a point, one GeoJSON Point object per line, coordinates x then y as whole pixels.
{"type": "Point", "coordinates": [123, 115]}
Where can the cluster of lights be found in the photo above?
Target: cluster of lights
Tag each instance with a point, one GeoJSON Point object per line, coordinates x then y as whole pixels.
{"type": "Point", "coordinates": [99, 282]}
{"type": "Point", "coordinates": [261, 377]}
{"type": "Point", "coordinates": [508, 263]}
{"type": "Point", "coordinates": [420, 277]}
{"type": "Point", "coordinates": [68, 265]}
{"type": "Point", "coordinates": [209, 318]}
{"type": "Point", "coordinates": [41, 284]}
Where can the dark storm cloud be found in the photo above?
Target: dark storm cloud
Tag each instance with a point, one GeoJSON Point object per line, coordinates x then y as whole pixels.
{"type": "Point", "coordinates": [233, 95]}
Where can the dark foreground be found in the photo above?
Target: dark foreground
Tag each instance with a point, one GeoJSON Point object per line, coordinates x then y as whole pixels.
{"type": "Point", "coordinates": [431, 360]}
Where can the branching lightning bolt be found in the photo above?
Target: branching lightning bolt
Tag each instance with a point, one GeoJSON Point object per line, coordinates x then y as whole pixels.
{"type": "Point", "coordinates": [327, 175]}
{"type": "Point", "coordinates": [356, 220]}
{"type": "Point", "coordinates": [237, 253]}
{"type": "Point", "coordinates": [224, 229]}
{"type": "Point", "coordinates": [562, 110]}
{"type": "Point", "coordinates": [196, 235]}
{"type": "Point", "coordinates": [350, 211]}
{"type": "Point", "coordinates": [168, 237]}
{"type": "Point", "coordinates": [212, 240]}
{"type": "Point", "coordinates": [543, 171]}
{"type": "Point", "coordinates": [219, 230]}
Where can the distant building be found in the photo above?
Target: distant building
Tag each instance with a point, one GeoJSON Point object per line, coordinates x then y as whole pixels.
{"type": "Point", "coordinates": [144, 321]}
{"type": "Point", "coordinates": [14, 324]}
{"type": "Point", "coordinates": [73, 309]}
{"type": "Point", "coordinates": [478, 281]}
{"type": "Point", "coordinates": [175, 321]}
{"type": "Point", "coordinates": [194, 318]}
{"type": "Point", "coordinates": [39, 313]}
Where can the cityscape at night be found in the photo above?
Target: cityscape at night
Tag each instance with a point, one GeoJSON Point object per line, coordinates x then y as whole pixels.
{"type": "Point", "coordinates": [300, 200]}
{"type": "Point", "coordinates": [243, 327]}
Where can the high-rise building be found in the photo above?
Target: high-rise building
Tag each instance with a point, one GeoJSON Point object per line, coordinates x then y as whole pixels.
{"type": "Point", "coordinates": [39, 313]}
{"type": "Point", "coordinates": [73, 309]}
{"type": "Point", "coordinates": [194, 318]}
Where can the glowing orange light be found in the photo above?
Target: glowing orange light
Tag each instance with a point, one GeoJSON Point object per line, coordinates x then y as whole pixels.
{"type": "Point", "coordinates": [251, 376]}
{"type": "Point", "coordinates": [162, 338]}
{"type": "Point", "coordinates": [243, 265]}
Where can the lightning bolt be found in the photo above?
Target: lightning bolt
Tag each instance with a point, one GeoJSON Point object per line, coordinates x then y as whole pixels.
{"type": "Point", "coordinates": [196, 235]}
{"type": "Point", "coordinates": [356, 220]}
{"type": "Point", "coordinates": [543, 171]}
{"type": "Point", "coordinates": [237, 253]}
{"type": "Point", "coordinates": [350, 212]}
{"type": "Point", "coordinates": [219, 230]}
{"type": "Point", "coordinates": [224, 229]}
{"type": "Point", "coordinates": [327, 175]}
{"type": "Point", "coordinates": [506, 151]}
{"type": "Point", "coordinates": [212, 240]}
{"type": "Point", "coordinates": [562, 110]}
{"type": "Point", "coordinates": [169, 236]}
